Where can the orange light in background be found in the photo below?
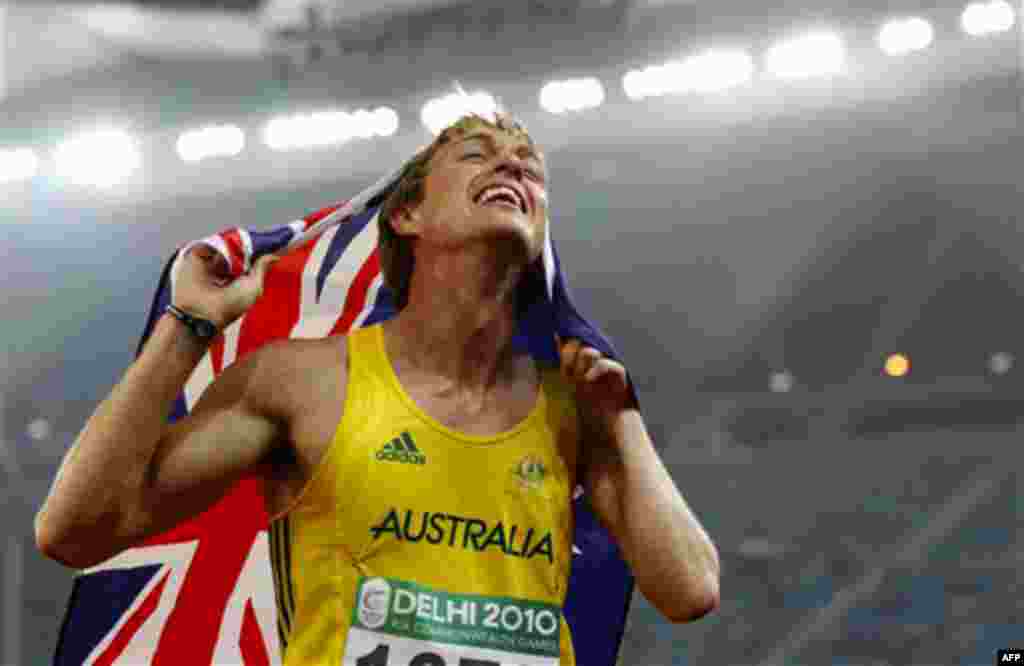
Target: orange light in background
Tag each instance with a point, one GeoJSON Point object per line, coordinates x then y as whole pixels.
{"type": "Point", "coordinates": [897, 365]}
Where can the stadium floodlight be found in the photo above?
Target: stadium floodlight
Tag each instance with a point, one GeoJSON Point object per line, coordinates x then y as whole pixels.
{"type": "Point", "coordinates": [571, 95]}
{"type": "Point", "coordinates": [782, 382]}
{"type": "Point", "coordinates": [39, 429]}
{"type": "Point", "coordinates": [382, 121]}
{"type": "Point", "coordinates": [654, 81]}
{"type": "Point", "coordinates": [18, 164]}
{"type": "Point", "coordinates": [325, 128]}
{"type": "Point", "coordinates": [97, 158]}
{"type": "Point", "coordinates": [716, 70]}
{"type": "Point", "coordinates": [983, 18]}
{"type": "Point", "coordinates": [813, 54]}
{"type": "Point", "coordinates": [638, 84]}
{"type": "Point", "coordinates": [710, 71]}
{"type": "Point", "coordinates": [214, 141]}
{"type": "Point", "coordinates": [441, 112]}
{"type": "Point", "coordinates": [1000, 363]}
{"type": "Point", "coordinates": [902, 36]}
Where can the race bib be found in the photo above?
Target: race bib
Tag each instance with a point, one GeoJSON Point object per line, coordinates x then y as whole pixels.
{"type": "Point", "coordinates": [398, 623]}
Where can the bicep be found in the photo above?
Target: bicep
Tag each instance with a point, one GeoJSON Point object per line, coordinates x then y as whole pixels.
{"type": "Point", "coordinates": [231, 429]}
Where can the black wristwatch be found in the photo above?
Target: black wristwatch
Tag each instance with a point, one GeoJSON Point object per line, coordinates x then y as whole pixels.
{"type": "Point", "coordinates": [204, 329]}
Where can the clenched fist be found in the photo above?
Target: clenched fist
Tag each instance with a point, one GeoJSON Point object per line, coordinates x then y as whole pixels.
{"type": "Point", "coordinates": [602, 383]}
{"type": "Point", "coordinates": [204, 286]}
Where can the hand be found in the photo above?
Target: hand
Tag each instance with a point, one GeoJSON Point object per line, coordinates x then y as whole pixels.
{"type": "Point", "coordinates": [205, 288]}
{"type": "Point", "coordinates": [600, 382]}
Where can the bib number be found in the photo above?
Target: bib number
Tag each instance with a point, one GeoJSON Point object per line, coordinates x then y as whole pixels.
{"type": "Point", "coordinates": [398, 623]}
{"type": "Point", "coordinates": [379, 657]}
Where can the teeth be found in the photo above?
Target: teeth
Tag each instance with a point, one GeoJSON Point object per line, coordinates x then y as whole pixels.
{"type": "Point", "coordinates": [492, 193]}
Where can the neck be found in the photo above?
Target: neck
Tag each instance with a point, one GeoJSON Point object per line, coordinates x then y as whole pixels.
{"type": "Point", "coordinates": [459, 320]}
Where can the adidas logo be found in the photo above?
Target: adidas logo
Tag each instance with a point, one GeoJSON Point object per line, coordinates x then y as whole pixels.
{"type": "Point", "coordinates": [402, 449]}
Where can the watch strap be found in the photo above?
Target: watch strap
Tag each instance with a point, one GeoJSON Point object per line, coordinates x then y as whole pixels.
{"type": "Point", "coordinates": [204, 329]}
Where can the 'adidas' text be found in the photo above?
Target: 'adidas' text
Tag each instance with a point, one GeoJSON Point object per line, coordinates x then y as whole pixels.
{"type": "Point", "coordinates": [402, 449]}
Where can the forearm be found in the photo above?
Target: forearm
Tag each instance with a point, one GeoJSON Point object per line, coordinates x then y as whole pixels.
{"type": "Point", "coordinates": [104, 471]}
{"type": "Point", "coordinates": [675, 563]}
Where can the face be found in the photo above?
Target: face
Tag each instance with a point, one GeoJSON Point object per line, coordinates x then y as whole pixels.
{"type": "Point", "coordinates": [487, 183]}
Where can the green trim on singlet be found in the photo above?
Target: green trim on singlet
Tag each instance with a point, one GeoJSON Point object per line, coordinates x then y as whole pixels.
{"type": "Point", "coordinates": [284, 590]}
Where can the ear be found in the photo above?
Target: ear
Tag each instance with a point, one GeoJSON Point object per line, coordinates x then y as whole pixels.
{"type": "Point", "coordinates": [405, 220]}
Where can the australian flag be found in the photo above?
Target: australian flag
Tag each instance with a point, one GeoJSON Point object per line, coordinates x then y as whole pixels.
{"type": "Point", "coordinates": [202, 593]}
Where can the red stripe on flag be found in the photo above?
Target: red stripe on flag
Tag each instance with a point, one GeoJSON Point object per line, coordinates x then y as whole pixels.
{"type": "Point", "coordinates": [129, 628]}
{"type": "Point", "coordinates": [355, 300]}
{"type": "Point", "coordinates": [236, 250]}
{"type": "Point", "coordinates": [245, 497]}
{"type": "Point", "coordinates": [313, 218]}
{"type": "Point", "coordinates": [274, 315]}
{"type": "Point", "coordinates": [217, 354]}
{"type": "Point", "coordinates": [254, 651]}
{"type": "Point", "coordinates": [231, 526]}
{"type": "Point", "coordinates": [225, 532]}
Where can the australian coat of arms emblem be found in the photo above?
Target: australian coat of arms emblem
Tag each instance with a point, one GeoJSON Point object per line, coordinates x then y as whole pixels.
{"type": "Point", "coordinates": [530, 472]}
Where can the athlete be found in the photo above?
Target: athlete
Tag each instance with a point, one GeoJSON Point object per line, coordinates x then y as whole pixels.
{"type": "Point", "coordinates": [418, 472]}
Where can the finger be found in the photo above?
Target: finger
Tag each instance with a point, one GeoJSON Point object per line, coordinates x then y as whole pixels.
{"type": "Point", "coordinates": [212, 263]}
{"type": "Point", "coordinates": [604, 367]}
{"type": "Point", "coordinates": [202, 251]}
{"type": "Point", "coordinates": [567, 354]}
{"type": "Point", "coordinates": [253, 280]}
{"type": "Point", "coordinates": [263, 265]}
{"type": "Point", "coordinates": [217, 262]}
{"type": "Point", "coordinates": [585, 360]}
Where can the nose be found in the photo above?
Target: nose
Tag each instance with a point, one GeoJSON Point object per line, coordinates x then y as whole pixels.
{"type": "Point", "coordinates": [511, 166]}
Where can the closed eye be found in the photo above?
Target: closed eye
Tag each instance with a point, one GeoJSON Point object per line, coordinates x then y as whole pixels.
{"type": "Point", "coordinates": [535, 174]}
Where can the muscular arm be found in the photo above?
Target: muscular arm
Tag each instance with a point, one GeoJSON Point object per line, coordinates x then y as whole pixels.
{"type": "Point", "coordinates": [674, 561]}
{"type": "Point", "coordinates": [129, 475]}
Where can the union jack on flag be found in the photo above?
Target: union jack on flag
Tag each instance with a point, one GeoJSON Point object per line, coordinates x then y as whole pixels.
{"type": "Point", "coordinates": [202, 593]}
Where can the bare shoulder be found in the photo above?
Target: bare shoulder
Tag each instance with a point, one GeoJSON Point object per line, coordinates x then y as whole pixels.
{"type": "Point", "coordinates": [303, 382]}
{"type": "Point", "coordinates": [293, 374]}
{"type": "Point", "coordinates": [298, 355]}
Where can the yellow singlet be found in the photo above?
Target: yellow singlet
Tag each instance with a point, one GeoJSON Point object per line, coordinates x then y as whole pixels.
{"type": "Point", "coordinates": [416, 545]}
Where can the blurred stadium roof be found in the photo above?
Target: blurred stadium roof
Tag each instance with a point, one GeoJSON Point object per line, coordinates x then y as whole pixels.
{"type": "Point", "coordinates": [760, 185]}
{"type": "Point", "coordinates": [52, 41]}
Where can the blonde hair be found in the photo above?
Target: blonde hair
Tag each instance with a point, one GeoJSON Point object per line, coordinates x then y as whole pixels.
{"type": "Point", "coordinates": [395, 250]}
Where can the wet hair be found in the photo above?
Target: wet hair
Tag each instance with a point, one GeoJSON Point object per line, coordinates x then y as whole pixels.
{"type": "Point", "coordinates": [394, 249]}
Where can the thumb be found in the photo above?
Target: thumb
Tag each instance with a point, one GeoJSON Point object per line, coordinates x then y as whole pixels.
{"type": "Point", "coordinates": [263, 264]}
{"type": "Point", "coordinates": [253, 280]}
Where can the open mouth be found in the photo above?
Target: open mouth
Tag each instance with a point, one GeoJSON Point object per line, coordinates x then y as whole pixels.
{"type": "Point", "coordinates": [502, 195]}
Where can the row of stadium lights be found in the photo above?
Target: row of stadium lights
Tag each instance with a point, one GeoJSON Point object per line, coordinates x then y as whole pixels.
{"type": "Point", "coordinates": [896, 366]}
{"type": "Point", "coordinates": [104, 157]}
